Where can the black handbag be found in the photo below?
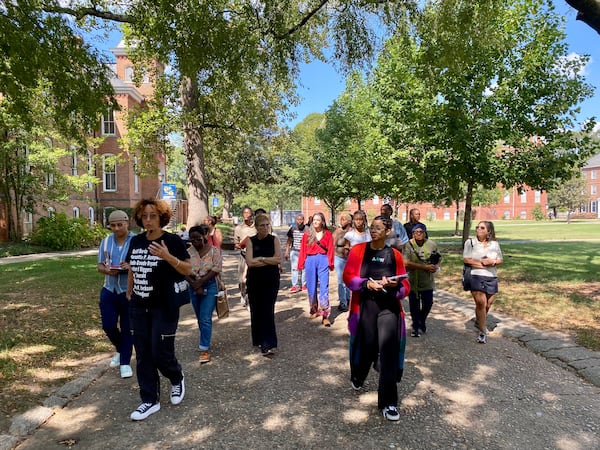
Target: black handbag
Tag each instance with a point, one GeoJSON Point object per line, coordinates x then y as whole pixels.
{"type": "Point", "coordinates": [466, 277]}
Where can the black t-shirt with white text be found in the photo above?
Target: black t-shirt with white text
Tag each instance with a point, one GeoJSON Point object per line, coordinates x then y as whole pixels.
{"type": "Point", "coordinates": [154, 279]}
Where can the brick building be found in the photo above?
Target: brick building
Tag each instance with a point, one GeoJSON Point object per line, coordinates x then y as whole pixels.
{"type": "Point", "coordinates": [591, 172]}
{"type": "Point", "coordinates": [512, 206]}
{"type": "Point", "coordinates": [119, 186]}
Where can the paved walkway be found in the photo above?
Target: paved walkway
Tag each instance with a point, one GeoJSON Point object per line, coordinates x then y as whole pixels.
{"type": "Point", "coordinates": [455, 393]}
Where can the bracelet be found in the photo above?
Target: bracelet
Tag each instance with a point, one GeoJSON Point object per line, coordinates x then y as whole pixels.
{"type": "Point", "coordinates": [178, 261]}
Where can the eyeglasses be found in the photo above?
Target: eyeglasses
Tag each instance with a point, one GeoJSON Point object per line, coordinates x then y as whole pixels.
{"type": "Point", "coordinates": [150, 216]}
{"type": "Point", "coordinates": [481, 228]}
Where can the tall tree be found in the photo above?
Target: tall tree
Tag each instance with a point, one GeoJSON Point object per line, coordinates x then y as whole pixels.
{"type": "Point", "coordinates": [570, 195]}
{"type": "Point", "coordinates": [53, 87]}
{"type": "Point", "coordinates": [484, 93]}
{"type": "Point", "coordinates": [229, 58]}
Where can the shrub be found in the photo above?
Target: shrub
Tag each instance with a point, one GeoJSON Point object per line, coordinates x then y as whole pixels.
{"type": "Point", "coordinates": [58, 232]}
{"type": "Point", "coordinates": [537, 213]}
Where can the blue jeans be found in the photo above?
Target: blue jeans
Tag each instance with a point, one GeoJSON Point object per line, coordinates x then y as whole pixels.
{"type": "Point", "coordinates": [204, 307]}
{"type": "Point", "coordinates": [343, 291]}
{"type": "Point", "coordinates": [294, 263]}
{"type": "Point", "coordinates": [114, 311]}
{"type": "Point", "coordinates": [317, 272]}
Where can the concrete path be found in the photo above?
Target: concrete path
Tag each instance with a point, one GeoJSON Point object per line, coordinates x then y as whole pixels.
{"type": "Point", "coordinates": [455, 393]}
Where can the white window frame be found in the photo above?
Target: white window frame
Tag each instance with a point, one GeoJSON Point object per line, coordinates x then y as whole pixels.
{"type": "Point", "coordinates": [91, 215]}
{"type": "Point", "coordinates": [74, 162]}
{"type": "Point", "coordinates": [507, 197]}
{"type": "Point", "coordinates": [523, 197]}
{"type": "Point", "coordinates": [317, 201]}
{"type": "Point", "coordinates": [537, 196]}
{"type": "Point", "coordinates": [593, 175]}
{"type": "Point", "coordinates": [108, 123]}
{"type": "Point", "coordinates": [136, 178]}
{"type": "Point", "coordinates": [51, 211]}
{"type": "Point", "coordinates": [109, 178]}
{"type": "Point", "coordinates": [129, 74]}
{"type": "Point", "coordinates": [90, 168]}
{"type": "Point", "coordinates": [593, 189]}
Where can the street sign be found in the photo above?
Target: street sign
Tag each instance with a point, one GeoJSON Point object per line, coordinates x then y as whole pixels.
{"type": "Point", "coordinates": [215, 202]}
{"type": "Point", "coordinates": [169, 191]}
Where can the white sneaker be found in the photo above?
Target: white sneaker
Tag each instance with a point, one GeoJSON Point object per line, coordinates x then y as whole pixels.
{"type": "Point", "coordinates": [482, 338]}
{"type": "Point", "coordinates": [126, 371]}
{"type": "Point", "coordinates": [115, 361]}
{"type": "Point", "coordinates": [178, 392]}
{"type": "Point", "coordinates": [144, 410]}
{"type": "Point", "coordinates": [391, 413]}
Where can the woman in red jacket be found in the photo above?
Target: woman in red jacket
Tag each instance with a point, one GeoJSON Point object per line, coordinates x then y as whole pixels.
{"type": "Point", "coordinates": [376, 276]}
{"type": "Point", "coordinates": [316, 258]}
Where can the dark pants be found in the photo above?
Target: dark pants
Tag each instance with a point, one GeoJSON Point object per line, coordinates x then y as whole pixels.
{"type": "Point", "coordinates": [154, 340]}
{"type": "Point", "coordinates": [262, 297]}
{"type": "Point", "coordinates": [420, 306]}
{"type": "Point", "coordinates": [114, 311]}
{"type": "Point", "coordinates": [377, 335]}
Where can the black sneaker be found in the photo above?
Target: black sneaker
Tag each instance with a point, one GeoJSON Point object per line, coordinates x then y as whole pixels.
{"type": "Point", "coordinates": [415, 333]}
{"type": "Point", "coordinates": [356, 385]}
{"type": "Point", "coordinates": [144, 410]}
{"type": "Point", "coordinates": [342, 307]}
{"type": "Point", "coordinates": [177, 392]}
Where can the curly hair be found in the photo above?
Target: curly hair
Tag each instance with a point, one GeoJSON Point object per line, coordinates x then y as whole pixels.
{"type": "Point", "coordinates": [162, 209]}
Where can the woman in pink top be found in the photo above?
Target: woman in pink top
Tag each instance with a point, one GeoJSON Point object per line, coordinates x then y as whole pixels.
{"type": "Point", "coordinates": [316, 258]}
{"type": "Point", "coordinates": [215, 237]}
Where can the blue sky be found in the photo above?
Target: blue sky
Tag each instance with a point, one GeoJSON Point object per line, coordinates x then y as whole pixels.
{"type": "Point", "coordinates": [320, 84]}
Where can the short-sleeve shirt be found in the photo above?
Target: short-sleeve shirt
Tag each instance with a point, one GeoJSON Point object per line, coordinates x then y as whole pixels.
{"type": "Point", "coordinates": [295, 234]}
{"type": "Point", "coordinates": [354, 237]}
{"type": "Point", "coordinates": [242, 231]}
{"type": "Point", "coordinates": [154, 279]}
{"type": "Point", "coordinates": [477, 250]}
{"type": "Point", "coordinates": [211, 260]}
{"type": "Point", "coordinates": [420, 280]}
{"type": "Point", "coordinates": [112, 254]}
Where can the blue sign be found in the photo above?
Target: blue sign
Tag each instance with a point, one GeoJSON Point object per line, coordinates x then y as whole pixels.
{"type": "Point", "coordinates": [169, 191]}
{"type": "Point", "coordinates": [215, 201]}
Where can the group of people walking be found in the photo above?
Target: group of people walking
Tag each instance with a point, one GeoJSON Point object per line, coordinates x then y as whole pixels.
{"type": "Point", "coordinates": [150, 275]}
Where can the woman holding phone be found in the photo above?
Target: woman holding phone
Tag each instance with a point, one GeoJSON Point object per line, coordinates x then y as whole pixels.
{"type": "Point", "coordinates": [375, 274]}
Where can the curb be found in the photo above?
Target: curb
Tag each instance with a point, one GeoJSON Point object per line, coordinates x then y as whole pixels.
{"type": "Point", "coordinates": [556, 347]}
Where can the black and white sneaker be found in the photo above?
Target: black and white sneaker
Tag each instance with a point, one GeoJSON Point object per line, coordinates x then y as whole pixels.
{"type": "Point", "coordinates": [178, 392]}
{"type": "Point", "coordinates": [144, 410]}
{"type": "Point", "coordinates": [415, 333]}
{"type": "Point", "coordinates": [391, 413]}
{"type": "Point", "coordinates": [356, 385]}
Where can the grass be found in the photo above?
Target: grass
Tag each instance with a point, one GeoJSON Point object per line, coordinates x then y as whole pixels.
{"type": "Point", "coordinates": [50, 323]}
{"type": "Point", "coordinates": [552, 284]}
{"type": "Point", "coordinates": [50, 320]}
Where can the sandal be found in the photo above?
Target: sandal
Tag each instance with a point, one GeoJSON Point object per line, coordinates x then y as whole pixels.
{"type": "Point", "coordinates": [326, 322]}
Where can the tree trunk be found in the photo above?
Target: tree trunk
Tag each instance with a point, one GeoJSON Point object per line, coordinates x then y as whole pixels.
{"type": "Point", "coordinates": [457, 220]}
{"type": "Point", "coordinates": [467, 218]}
{"type": "Point", "coordinates": [194, 151]}
{"type": "Point", "coordinates": [227, 202]}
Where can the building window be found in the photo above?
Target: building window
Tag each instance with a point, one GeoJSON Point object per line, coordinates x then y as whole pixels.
{"type": "Point", "coordinates": [136, 179]}
{"type": "Point", "coordinates": [109, 173]}
{"type": "Point", "coordinates": [446, 215]}
{"type": "Point", "coordinates": [75, 212]}
{"type": "Point", "coordinates": [593, 175]}
{"type": "Point", "coordinates": [128, 73]}
{"type": "Point", "coordinates": [593, 189]}
{"type": "Point", "coordinates": [108, 123]}
{"type": "Point", "coordinates": [376, 200]}
{"type": "Point", "coordinates": [507, 197]}
{"type": "Point", "coordinates": [90, 169]}
{"type": "Point", "coordinates": [73, 162]}
{"type": "Point", "coordinates": [51, 211]}
{"type": "Point", "coordinates": [594, 207]}
{"type": "Point", "coordinates": [524, 197]}
{"type": "Point", "coordinates": [91, 215]}
{"type": "Point", "coordinates": [27, 223]}
{"type": "Point", "coordinates": [537, 196]}
{"type": "Point", "coordinates": [506, 214]}
{"type": "Point", "coordinates": [317, 201]}
{"type": "Point", "coordinates": [523, 214]}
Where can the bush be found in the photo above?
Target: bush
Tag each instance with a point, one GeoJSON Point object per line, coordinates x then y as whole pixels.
{"type": "Point", "coordinates": [537, 213]}
{"type": "Point", "coordinates": [61, 233]}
